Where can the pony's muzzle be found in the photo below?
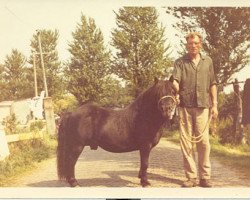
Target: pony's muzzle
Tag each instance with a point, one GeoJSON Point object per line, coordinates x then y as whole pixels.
{"type": "Point", "coordinates": [167, 106]}
{"type": "Point", "coordinates": [168, 112]}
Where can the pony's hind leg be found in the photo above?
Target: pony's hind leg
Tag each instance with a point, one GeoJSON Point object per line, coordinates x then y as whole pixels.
{"type": "Point", "coordinates": [76, 151]}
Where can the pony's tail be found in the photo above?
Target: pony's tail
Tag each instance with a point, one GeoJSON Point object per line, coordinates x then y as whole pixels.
{"type": "Point", "coordinates": [62, 148]}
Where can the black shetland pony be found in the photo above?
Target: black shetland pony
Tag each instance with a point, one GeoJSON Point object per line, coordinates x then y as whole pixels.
{"type": "Point", "coordinates": [133, 128]}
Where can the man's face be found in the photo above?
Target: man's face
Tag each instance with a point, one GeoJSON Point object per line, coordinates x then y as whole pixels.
{"type": "Point", "coordinates": [193, 45]}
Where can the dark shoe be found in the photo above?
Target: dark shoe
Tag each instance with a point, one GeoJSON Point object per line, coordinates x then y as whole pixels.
{"type": "Point", "coordinates": [190, 183]}
{"type": "Point", "coordinates": [205, 183]}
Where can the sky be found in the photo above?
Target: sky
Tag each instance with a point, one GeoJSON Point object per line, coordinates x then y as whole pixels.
{"type": "Point", "coordinates": [19, 20]}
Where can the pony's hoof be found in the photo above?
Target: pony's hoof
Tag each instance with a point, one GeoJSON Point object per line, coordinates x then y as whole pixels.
{"type": "Point", "coordinates": [145, 184]}
{"type": "Point", "coordinates": [74, 183]}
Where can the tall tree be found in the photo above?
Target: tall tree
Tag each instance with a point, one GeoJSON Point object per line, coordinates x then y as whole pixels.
{"type": "Point", "coordinates": [15, 84]}
{"type": "Point", "coordinates": [115, 94]}
{"type": "Point", "coordinates": [226, 35]}
{"type": "Point", "coordinates": [52, 65]}
{"type": "Point", "coordinates": [141, 51]}
{"type": "Point", "coordinates": [89, 63]}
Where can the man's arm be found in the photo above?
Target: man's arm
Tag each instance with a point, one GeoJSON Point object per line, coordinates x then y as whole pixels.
{"type": "Point", "coordinates": [177, 88]}
{"type": "Point", "coordinates": [213, 93]}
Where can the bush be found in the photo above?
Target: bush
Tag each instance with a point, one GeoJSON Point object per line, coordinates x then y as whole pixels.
{"type": "Point", "coordinates": [226, 131]}
{"type": "Point", "coordinates": [10, 123]}
{"type": "Point", "coordinates": [37, 125]}
{"type": "Point", "coordinates": [65, 104]}
{"type": "Point", "coordinates": [226, 106]}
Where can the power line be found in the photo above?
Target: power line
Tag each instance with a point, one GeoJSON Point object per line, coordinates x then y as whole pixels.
{"type": "Point", "coordinates": [17, 17]}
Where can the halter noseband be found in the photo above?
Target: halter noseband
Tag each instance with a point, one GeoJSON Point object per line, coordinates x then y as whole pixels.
{"type": "Point", "coordinates": [164, 97]}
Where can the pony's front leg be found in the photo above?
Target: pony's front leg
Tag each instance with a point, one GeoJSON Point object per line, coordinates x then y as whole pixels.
{"type": "Point", "coordinates": [144, 155]}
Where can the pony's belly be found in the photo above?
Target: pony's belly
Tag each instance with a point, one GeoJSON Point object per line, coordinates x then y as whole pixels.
{"type": "Point", "coordinates": [116, 139]}
{"type": "Point", "coordinates": [117, 144]}
{"type": "Point", "coordinates": [118, 148]}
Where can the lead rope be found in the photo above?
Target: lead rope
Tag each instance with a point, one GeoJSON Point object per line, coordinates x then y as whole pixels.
{"type": "Point", "coordinates": [194, 139]}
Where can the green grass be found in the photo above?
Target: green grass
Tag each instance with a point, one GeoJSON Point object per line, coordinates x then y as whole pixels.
{"type": "Point", "coordinates": [237, 157]}
{"type": "Point", "coordinates": [172, 136]}
{"type": "Point", "coordinates": [24, 156]}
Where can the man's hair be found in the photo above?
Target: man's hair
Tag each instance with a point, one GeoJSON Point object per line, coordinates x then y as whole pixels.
{"type": "Point", "coordinates": [192, 35]}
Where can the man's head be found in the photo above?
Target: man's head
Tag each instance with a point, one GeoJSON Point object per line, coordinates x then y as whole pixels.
{"type": "Point", "coordinates": [194, 43]}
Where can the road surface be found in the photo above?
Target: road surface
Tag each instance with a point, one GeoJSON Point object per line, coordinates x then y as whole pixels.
{"type": "Point", "coordinates": [98, 168]}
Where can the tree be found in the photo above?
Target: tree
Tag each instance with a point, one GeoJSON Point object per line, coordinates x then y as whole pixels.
{"type": "Point", "coordinates": [115, 94]}
{"type": "Point", "coordinates": [15, 84]}
{"type": "Point", "coordinates": [53, 68]}
{"type": "Point", "coordinates": [89, 63]}
{"type": "Point", "coordinates": [141, 53]}
{"type": "Point", "coordinates": [226, 35]}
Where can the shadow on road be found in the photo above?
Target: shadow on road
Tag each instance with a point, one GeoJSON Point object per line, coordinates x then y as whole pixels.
{"type": "Point", "coordinates": [115, 180]}
{"type": "Point", "coordinates": [50, 183]}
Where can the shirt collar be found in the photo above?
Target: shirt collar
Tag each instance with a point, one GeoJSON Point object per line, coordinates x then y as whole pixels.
{"type": "Point", "coordinates": [187, 57]}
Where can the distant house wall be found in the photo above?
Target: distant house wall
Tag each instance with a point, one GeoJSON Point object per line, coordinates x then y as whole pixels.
{"type": "Point", "coordinates": [5, 109]}
{"type": "Point", "coordinates": [22, 110]}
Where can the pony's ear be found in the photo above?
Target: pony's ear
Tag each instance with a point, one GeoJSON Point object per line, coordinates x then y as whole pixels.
{"type": "Point", "coordinates": [171, 79]}
{"type": "Point", "coordinates": [156, 80]}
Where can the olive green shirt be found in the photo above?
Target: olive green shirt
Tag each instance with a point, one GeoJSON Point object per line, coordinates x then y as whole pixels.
{"type": "Point", "coordinates": [194, 81]}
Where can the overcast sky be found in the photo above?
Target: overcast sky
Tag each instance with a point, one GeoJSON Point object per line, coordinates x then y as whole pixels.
{"type": "Point", "coordinates": [19, 20]}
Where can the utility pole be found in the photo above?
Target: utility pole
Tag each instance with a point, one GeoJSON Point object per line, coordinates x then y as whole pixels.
{"type": "Point", "coordinates": [35, 78]}
{"type": "Point", "coordinates": [42, 63]}
{"type": "Point", "coordinates": [47, 101]}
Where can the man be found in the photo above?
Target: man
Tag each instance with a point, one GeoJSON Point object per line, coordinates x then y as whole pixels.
{"type": "Point", "coordinates": [194, 79]}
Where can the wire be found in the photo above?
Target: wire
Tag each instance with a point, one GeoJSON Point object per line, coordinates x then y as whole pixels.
{"type": "Point", "coordinates": [22, 21]}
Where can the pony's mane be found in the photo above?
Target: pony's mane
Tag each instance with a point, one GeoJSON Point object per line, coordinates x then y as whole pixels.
{"type": "Point", "coordinates": [155, 90]}
{"type": "Point", "coordinates": [153, 93]}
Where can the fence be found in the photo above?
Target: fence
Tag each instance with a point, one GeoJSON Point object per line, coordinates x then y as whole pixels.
{"type": "Point", "coordinates": [5, 139]}
{"type": "Point", "coordinates": [8, 106]}
{"type": "Point", "coordinates": [23, 136]}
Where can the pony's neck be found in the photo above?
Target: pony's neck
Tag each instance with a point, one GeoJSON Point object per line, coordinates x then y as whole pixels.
{"type": "Point", "coordinates": [146, 103]}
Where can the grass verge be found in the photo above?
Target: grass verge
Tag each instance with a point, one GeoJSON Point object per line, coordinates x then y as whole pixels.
{"type": "Point", "coordinates": [231, 155]}
{"type": "Point", "coordinates": [24, 155]}
{"type": "Point", "coordinates": [237, 157]}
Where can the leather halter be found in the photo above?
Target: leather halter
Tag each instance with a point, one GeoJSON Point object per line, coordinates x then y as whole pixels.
{"type": "Point", "coordinates": [164, 97]}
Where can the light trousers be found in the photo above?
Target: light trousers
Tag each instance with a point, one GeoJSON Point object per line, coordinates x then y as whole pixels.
{"type": "Point", "coordinates": [194, 122]}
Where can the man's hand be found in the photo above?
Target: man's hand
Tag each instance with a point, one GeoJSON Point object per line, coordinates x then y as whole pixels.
{"type": "Point", "coordinates": [214, 111]}
{"type": "Point", "coordinates": [177, 99]}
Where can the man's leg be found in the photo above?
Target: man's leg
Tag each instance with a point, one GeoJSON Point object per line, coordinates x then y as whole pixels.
{"type": "Point", "coordinates": [186, 128]}
{"type": "Point", "coordinates": [203, 147]}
